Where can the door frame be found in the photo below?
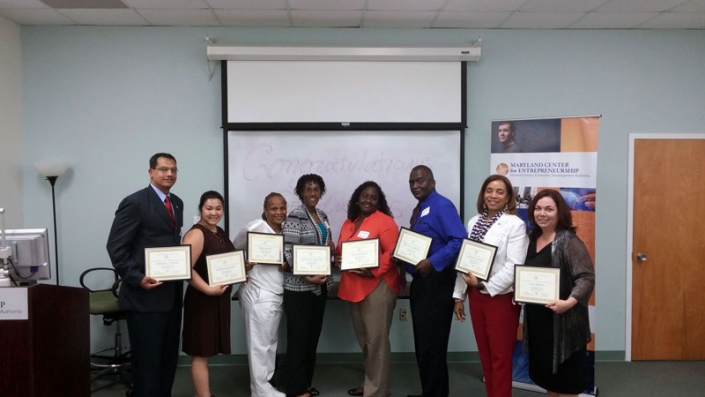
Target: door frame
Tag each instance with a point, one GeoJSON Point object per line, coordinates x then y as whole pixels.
{"type": "Point", "coordinates": [630, 225]}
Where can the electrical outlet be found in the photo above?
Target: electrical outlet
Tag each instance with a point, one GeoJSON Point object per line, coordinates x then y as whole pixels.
{"type": "Point", "coordinates": [403, 314]}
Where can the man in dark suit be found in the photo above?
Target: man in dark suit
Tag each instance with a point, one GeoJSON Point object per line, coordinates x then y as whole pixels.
{"type": "Point", "coordinates": [150, 217]}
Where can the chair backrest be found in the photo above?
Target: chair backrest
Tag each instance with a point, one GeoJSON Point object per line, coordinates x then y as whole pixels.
{"type": "Point", "coordinates": [103, 301]}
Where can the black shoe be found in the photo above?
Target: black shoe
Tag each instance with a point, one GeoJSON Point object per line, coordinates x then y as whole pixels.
{"type": "Point", "coordinates": [313, 391]}
{"type": "Point", "coordinates": [357, 391]}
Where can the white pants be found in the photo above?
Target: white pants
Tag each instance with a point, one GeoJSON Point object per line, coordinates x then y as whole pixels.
{"type": "Point", "coordinates": [261, 312]}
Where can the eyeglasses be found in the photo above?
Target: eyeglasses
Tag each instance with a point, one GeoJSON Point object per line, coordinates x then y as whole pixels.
{"type": "Point", "coordinates": [167, 169]}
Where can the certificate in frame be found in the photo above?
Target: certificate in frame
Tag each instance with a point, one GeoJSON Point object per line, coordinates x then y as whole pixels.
{"type": "Point", "coordinates": [311, 260]}
{"type": "Point", "coordinates": [265, 248]}
{"type": "Point", "coordinates": [168, 263]}
{"type": "Point", "coordinates": [359, 254]}
{"type": "Point", "coordinates": [227, 268]}
{"type": "Point", "coordinates": [534, 284]}
{"type": "Point", "coordinates": [476, 258]}
{"type": "Point", "coordinates": [411, 247]}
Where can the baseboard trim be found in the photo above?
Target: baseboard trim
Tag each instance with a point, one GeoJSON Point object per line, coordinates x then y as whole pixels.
{"type": "Point", "coordinates": [396, 358]}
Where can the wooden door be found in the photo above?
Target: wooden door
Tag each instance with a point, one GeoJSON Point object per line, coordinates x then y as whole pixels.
{"type": "Point", "coordinates": [668, 286]}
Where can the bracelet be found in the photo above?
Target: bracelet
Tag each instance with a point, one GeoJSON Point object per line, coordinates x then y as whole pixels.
{"type": "Point", "coordinates": [459, 300]}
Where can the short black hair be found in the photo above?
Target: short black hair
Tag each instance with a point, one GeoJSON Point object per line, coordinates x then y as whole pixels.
{"type": "Point", "coordinates": [306, 179]}
{"type": "Point", "coordinates": [354, 207]}
{"type": "Point", "coordinates": [211, 194]}
{"type": "Point", "coordinates": [156, 156]}
{"type": "Point", "coordinates": [425, 168]}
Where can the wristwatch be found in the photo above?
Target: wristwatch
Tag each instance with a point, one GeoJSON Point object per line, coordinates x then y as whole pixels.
{"type": "Point", "coordinates": [480, 285]}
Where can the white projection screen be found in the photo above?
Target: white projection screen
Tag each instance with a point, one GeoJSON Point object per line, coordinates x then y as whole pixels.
{"type": "Point", "coordinates": [260, 162]}
{"type": "Point", "coordinates": [348, 121]}
{"type": "Point", "coordinates": [343, 92]}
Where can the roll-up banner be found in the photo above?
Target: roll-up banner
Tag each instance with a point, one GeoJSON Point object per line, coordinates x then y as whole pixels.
{"type": "Point", "coordinates": [551, 153]}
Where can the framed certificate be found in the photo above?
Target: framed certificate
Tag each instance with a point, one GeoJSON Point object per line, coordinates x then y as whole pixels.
{"type": "Point", "coordinates": [263, 248]}
{"type": "Point", "coordinates": [360, 254]}
{"type": "Point", "coordinates": [168, 263]}
{"type": "Point", "coordinates": [411, 247]}
{"type": "Point", "coordinates": [476, 258]}
{"type": "Point", "coordinates": [536, 284]}
{"type": "Point", "coordinates": [311, 260]}
{"type": "Point", "coordinates": [227, 268]}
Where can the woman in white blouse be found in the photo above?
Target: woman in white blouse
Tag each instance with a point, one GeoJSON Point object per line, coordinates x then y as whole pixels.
{"type": "Point", "coordinates": [494, 315]}
{"type": "Point", "coordinates": [261, 301]}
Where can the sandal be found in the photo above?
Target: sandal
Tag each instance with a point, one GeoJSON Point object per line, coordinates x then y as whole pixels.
{"type": "Point", "coordinates": [358, 391]}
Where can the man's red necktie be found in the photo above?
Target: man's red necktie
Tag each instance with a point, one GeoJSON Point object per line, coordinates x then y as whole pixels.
{"type": "Point", "coordinates": [167, 202]}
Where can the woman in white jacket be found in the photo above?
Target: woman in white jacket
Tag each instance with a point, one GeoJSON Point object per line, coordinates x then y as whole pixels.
{"type": "Point", "coordinates": [261, 301]}
{"type": "Point", "coordinates": [494, 315]}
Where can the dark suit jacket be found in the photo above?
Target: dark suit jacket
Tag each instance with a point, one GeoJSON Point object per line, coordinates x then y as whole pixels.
{"type": "Point", "coordinates": [142, 221]}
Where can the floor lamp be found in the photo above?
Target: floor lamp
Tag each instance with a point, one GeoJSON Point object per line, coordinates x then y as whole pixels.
{"type": "Point", "coordinates": [52, 171]}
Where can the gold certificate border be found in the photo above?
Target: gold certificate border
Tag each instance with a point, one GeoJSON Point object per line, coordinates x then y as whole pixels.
{"type": "Point", "coordinates": [268, 236]}
{"type": "Point", "coordinates": [184, 250]}
{"type": "Point", "coordinates": [518, 270]}
{"type": "Point", "coordinates": [403, 232]}
{"type": "Point", "coordinates": [297, 248]}
{"type": "Point", "coordinates": [483, 246]}
{"type": "Point", "coordinates": [372, 241]}
{"type": "Point", "coordinates": [234, 280]}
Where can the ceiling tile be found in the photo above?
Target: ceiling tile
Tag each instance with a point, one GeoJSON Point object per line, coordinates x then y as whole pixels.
{"type": "Point", "coordinates": [473, 20]}
{"type": "Point", "coordinates": [327, 18]}
{"type": "Point", "coordinates": [352, 5]}
{"type": "Point", "coordinates": [675, 20]}
{"type": "Point", "coordinates": [605, 20]}
{"type": "Point", "coordinates": [561, 5]}
{"type": "Point", "coordinates": [483, 5]}
{"type": "Point", "coordinates": [267, 18]}
{"type": "Point", "coordinates": [22, 4]}
{"type": "Point", "coordinates": [691, 6]}
{"type": "Point", "coordinates": [398, 19]}
{"type": "Point", "coordinates": [167, 4]}
{"type": "Point", "coordinates": [180, 17]}
{"type": "Point", "coordinates": [248, 4]}
{"type": "Point", "coordinates": [405, 5]}
{"type": "Point", "coordinates": [92, 4]}
{"type": "Point", "coordinates": [36, 16]}
{"type": "Point", "coordinates": [639, 5]}
{"type": "Point", "coordinates": [104, 17]}
{"type": "Point", "coordinates": [543, 20]}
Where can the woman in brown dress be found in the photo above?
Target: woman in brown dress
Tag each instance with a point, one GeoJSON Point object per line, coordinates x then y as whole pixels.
{"type": "Point", "coordinates": [206, 309]}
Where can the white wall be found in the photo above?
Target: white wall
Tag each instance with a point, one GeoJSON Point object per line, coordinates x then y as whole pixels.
{"type": "Point", "coordinates": [106, 98]}
{"type": "Point", "coordinates": [11, 186]}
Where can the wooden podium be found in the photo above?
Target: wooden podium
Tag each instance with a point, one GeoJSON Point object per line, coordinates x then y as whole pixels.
{"type": "Point", "coordinates": [45, 352]}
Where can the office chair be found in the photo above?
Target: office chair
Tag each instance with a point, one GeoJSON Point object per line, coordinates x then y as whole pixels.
{"type": "Point", "coordinates": [113, 362]}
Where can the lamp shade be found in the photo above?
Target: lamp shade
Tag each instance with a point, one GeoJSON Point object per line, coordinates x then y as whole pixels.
{"type": "Point", "coordinates": [48, 169]}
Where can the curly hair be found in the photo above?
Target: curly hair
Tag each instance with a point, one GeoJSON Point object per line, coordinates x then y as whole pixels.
{"type": "Point", "coordinates": [309, 178]}
{"type": "Point", "coordinates": [354, 207]}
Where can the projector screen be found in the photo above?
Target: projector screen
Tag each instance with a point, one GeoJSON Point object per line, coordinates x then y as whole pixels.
{"type": "Point", "coordinates": [344, 92]}
{"type": "Point", "coordinates": [260, 162]}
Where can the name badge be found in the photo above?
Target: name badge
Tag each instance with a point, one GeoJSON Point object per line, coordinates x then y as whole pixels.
{"type": "Point", "coordinates": [363, 234]}
{"type": "Point", "coordinates": [425, 211]}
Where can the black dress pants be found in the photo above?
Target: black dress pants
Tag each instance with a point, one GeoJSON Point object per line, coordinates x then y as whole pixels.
{"type": "Point", "coordinates": [431, 301]}
{"type": "Point", "coordinates": [154, 348]}
{"type": "Point", "coordinates": [304, 320]}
